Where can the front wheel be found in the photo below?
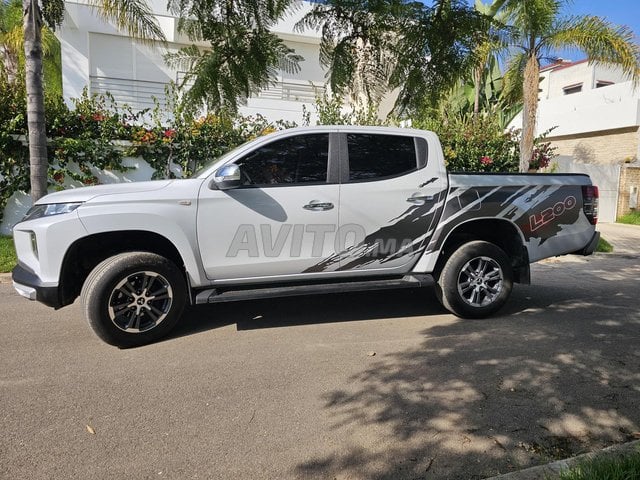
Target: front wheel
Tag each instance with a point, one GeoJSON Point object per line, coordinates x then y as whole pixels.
{"type": "Point", "coordinates": [476, 280]}
{"type": "Point", "coordinates": [133, 298]}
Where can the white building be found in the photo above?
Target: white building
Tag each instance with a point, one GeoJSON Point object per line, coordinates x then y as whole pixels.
{"type": "Point", "coordinates": [97, 55]}
{"type": "Point", "coordinates": [594, 111]}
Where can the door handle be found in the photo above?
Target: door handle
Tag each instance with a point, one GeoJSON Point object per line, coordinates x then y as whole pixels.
{"type": "Point", "coordinates": [420, 199]}
{"type": "Point", "coordinates": [316, 206]}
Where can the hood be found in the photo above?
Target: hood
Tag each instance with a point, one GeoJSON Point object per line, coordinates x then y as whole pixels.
{"type": "Point", "coordinates": [84, 194]}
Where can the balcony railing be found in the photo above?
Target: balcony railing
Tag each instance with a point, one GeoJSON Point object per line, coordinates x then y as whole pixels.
{"type": "Point", "coordinates": [293, 91]}
{"type": "Point", "coordinates": [138, 94]}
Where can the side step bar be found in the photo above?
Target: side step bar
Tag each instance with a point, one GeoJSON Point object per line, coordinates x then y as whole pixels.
{"type": "Point", "coordinates": [214, 295]}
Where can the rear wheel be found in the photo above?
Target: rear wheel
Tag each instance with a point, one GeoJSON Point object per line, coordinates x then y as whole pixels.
{"type": "Point", "coordinates": [134, 298]}
{"type": "Point", "coordinates": [476, 280]}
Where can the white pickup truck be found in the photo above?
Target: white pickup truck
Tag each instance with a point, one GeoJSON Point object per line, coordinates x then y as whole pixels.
{"type": "Point", "coordinates": [306, 210]}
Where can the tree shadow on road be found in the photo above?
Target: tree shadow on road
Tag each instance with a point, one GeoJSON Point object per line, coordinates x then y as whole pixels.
{"type": "Point", "coordinates": [557, 375]}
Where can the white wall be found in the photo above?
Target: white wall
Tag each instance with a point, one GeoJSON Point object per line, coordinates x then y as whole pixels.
{"type": "Point", "coordinates": [606, 177]}
{"type": "Point", "coordinates": [20, 202]}
{"type": "Point", "coordinates": [92, 48]}
{"type": "Point", "coordinates": [556, 79]}
{"type": "Point", "coordinates": [563, 77]}
{"type": "Point", "coordinates": [607, 108]}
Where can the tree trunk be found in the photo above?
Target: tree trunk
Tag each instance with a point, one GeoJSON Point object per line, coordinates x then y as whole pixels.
{"type": "Point", "coordinates": [477, 80]}
{"type": "Point", "coordinates": [529, 111]}
{"type": "Point", "coordinates": [32, 23]}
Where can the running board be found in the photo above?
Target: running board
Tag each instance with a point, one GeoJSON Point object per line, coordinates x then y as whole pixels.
{"type": "Point", "coordinates": [214, 295]}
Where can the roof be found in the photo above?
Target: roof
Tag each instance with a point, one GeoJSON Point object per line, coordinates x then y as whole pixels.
{"type": "Point", "coordinates": [561, 64]}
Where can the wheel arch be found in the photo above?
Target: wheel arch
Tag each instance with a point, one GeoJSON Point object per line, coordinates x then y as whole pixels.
{"type": "Point", "coordinates": [86, 253]}
{"type": "Point", "coordinates": [501, 232]}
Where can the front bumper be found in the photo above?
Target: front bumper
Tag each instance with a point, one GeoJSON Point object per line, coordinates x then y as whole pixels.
{"type": "Point", "coordinates": [30, 286]}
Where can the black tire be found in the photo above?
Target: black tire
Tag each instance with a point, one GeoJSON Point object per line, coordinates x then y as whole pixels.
{"type": "Point", "coordinates": [133, 298]}
{"type": "Point", "coordinates": [476, 280]}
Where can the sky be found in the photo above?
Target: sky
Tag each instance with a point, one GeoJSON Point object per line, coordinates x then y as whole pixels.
{"type": "Point", "coordinates": [620, 12]}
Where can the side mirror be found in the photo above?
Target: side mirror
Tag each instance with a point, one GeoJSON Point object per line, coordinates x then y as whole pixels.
{"type": "Point", "coordinates": [227, 177]}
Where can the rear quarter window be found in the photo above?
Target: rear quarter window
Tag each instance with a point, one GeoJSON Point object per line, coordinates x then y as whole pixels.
{"type": "Point", "coordinates": [375, 156]}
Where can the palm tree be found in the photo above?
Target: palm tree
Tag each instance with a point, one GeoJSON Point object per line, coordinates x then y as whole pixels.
{"type": "Point", "coordinates": [537, 31]}
{"type": "Point", "coordinates": [380, 46]}
{"type": "Point", "coordinates": [134, 16]}
{"type": "Point", "coordinates": [242, 57]}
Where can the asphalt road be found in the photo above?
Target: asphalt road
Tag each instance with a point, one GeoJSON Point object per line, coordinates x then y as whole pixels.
{"type": "Point", "coordinates": [287, 388]}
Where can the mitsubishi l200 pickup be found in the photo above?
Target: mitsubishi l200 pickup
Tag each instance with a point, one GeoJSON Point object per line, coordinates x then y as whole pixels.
{"type": "Point", "coordinates": [300, 211]}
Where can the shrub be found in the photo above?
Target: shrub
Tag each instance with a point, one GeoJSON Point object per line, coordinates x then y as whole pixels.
{"type": "Point", "coordinates": [474, 144]}
{"type": "Point", "coordinates": [85, 138]}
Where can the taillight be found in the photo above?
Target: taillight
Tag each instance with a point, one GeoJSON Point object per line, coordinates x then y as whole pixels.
{"type": "Point", "coordinates": [590, 203]}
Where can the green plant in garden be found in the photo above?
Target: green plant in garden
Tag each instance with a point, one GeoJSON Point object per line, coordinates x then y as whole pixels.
{"type": "Point", "coordinates": [537, 30]}
{"type": "Point", "coordinates": [12, 49]}
{"type": "Point", "coordinates": [543, 152]}
{"type": "Point", "coordinates": [474, 143]}
{"type": "Point", "coordinates": [631, 218]}
{"type": "Point", "coordinates": [133, 16]}
{"type": "Point", "coordinates": [8, 258]}
{"type": "Point", "coordinates": [14, 159]}
{"type": "Point", "coordinates": [243, 57]}
{"type": "Point", "coordinates": [331, 110]}
{"type": "Point", "coordinates": [604, 246]}
{"type": "Point", "coordinates": [372, 48]}
{"type": "Point", "coordinates": [484, 94]}
{"type": "Point", "coordinates": [617, 467]}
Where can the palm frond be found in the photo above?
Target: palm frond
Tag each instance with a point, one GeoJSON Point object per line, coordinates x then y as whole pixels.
{"type": "Point", "coordinates": [514, 78]}
{"type": "Point", "coordinates": [133, 16]}
{"type": "Point", "coordinates": [52, 12]}
{"type": "Point", "coordinates": [184, 59]}
{"type": "Point", "coordinates": [535, 17]}
{"type": "Point", "coordinates": [602, 41]}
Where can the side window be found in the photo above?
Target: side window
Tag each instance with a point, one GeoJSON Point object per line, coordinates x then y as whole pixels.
{"type": "Point", "coordinates": [373, 156]}
{"type": "Point", "coordinates": [294, 160]}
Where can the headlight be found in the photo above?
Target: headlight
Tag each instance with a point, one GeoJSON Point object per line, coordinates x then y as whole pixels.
{"type": "Point", "coordinates": [39, 211]}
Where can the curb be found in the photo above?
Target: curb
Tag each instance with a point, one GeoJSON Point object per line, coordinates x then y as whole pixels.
{"type": "Point", "coordinates": [551, 471]}
{"type": "Point", "coordinates": [5, 278]}
{"type": "Point", "coordinates": [616, 254]}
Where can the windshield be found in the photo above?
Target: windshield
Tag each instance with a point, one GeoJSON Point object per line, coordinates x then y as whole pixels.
{"type": "Point", "coordinates": [213, 161]}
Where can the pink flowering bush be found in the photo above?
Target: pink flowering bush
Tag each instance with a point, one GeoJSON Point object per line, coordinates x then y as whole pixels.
{"type": "Point", "coordinates": [543, 152]}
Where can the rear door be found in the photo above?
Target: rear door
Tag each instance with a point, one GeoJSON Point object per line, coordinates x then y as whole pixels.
{"type": "Point", "coordinates": [390, 197]}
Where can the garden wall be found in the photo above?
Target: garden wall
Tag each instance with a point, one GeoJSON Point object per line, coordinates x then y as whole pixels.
{"type": "Point", "coordinates": [20, 202]}
{"type": "Point", "coordinates": [629, 177]}
{"type": "Point", "coordinates": [604, 176]}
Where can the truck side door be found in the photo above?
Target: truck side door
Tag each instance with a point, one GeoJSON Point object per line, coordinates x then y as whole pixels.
{"type": "Point", "coordinates": [391, 195]}
{"type": "Point", "coordinates": [282, 220]}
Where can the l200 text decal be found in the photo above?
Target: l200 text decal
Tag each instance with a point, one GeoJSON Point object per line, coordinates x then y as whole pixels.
{"type": "Point", "coordinates": [539, 220]}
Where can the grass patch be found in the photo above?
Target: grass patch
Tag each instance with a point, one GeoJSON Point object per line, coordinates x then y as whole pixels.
{"type": "Point", "coordinates": [604, 246]}
{"type": "Point", "coordinates": [625, 467]}
{"type": "Point", "coordinates": [8, 257]}
{"type": "Point", "coordinates": [632, 218]}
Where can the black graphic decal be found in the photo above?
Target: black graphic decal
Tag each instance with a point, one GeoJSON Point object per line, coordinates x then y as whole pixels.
{"type": "Point", "coordinates": [398, 239]}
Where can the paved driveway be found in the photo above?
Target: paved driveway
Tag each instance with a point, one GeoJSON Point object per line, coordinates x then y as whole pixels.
{"type": "Point", "coordinates": [287, 388]}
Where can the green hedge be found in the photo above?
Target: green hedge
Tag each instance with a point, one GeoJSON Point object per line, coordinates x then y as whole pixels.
{"type": "Point", "coordinates": [87, 136]}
